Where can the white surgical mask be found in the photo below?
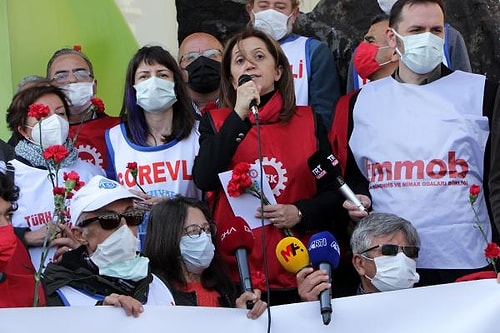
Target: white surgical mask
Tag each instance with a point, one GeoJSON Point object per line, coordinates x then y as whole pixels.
{"type": "Point", "coordinates": [423, 52]}
{"type": "Point", "coordinates": [155, 95]}
{"type": "Point", "coordinates": [197, 253]}
{"type": "Point", "coordinates": [273, 23]}
{"type": "Point", "coordinates": [394, 272]}
{"type": "Point", "coordinates": [79, 95]}
{"type": "Point", "coordinates": [52, 130]}
{"type": "Point", "coordinates": [386, 5]}
{"type": "Point", "coordinates": [121, 245]}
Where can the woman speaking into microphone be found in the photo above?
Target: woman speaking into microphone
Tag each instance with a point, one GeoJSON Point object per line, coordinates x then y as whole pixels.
{"type": "Point", "coordinates": [288, 136]}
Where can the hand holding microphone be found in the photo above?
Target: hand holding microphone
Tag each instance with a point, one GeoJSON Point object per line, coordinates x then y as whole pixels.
{"type": "Point", "coordinates": [325, 254]}
{"type": "Point", "coordinates": [325, 167]}
{"type": "Point", "coordinates": [247, 96]}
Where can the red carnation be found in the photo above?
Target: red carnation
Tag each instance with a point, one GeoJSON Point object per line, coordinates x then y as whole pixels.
{"type": "Point", "coordinates": [132, 167]}
{"type": "Point", "coordinates": [72, 175]}
{"type": "Point", "coordinates": [38, 111]}
{"type": "Point", "coordinates": [492, 251]}
{"type": "Point", "coordinates": [98, 104]}
{"type": "Point", "coordinates": [56, 153]}
{"type": "Point", "coordinates": [59, 190]}
{"type": "Point", "coordinates": [78, 185]}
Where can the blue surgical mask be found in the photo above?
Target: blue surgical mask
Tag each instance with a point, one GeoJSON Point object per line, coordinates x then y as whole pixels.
{"type": "Point", "coordinates": [197, 253]}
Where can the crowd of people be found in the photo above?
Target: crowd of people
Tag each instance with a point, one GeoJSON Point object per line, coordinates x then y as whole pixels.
{"type": "Point", "coordinates": [137, 223]}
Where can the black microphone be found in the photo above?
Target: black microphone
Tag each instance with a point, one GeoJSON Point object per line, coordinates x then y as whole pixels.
{"type": "Point", "coordinates": [244, 78]}
{"type": "Point", "coordinates": [324, 166]}
{"type": "Point", "coordinates": [3, 277]}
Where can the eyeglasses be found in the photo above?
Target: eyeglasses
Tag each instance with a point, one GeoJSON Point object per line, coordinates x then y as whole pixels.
{"type": "Point", "coordinates": [189, 57]}
{"type": "Point", "coordinates": [391, 250]}
{"type": "Point", "coordinates": [112, 220]}
{"type": "Point", "coordinates": [195, 230]}
{"type": "Point", "coordinates": [80, 75]}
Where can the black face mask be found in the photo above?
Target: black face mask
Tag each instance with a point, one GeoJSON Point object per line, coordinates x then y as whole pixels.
{"type": "Point", "coordinates": [204, 75]}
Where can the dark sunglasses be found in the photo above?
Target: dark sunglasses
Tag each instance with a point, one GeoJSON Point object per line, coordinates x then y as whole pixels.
{"type": "Point", "coordinates": [112, 220]}
{"type": "Point", "coordinates": [391, 250]}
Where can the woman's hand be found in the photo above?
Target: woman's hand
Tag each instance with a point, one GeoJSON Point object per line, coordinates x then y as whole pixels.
{"type": "Point", "coordinates": [259, 306]}
{"type": "Point", "coordinates": [281, 216]}
{"type": "Point", "coordinates": [245, 94]}
{"type": "Point", "coordinates": [354, 213]}
{"type": "Point", "coordinates": [129, 304]}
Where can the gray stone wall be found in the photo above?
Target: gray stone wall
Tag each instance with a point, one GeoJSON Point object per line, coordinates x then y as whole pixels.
{"type": "Point", "coordinates": [342, 23]}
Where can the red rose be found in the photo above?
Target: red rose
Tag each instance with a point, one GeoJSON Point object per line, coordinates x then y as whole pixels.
{"type": "Point", "coordinates": [132, 165]}
{"type": "Point", "coordinates": [38, 111]}
{"type": "Point", "coordinates": [56, 153]}
{"type": "Point", "coordinates": [69, 195]}
{"type": "Point", "coordinates": [77, 48]}
{"type": "Point", "coordinates": [492, 251]}
{"type": "Point", "coordinates": [98, 104]}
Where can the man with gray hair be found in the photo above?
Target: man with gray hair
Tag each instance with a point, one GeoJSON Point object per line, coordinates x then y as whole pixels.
{"type": "Point", "coordinates": [385, 249]}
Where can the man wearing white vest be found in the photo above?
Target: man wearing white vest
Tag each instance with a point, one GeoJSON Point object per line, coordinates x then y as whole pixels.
{"type": "Point", "coordinates": [316, 79]}
{"type": "Point", "coordinates": [420, 138]}
{"type": "Point", "coordinates": [105, 269]}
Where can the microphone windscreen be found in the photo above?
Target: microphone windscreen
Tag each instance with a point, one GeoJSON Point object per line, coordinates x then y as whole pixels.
{"type": "Point", "coordinates": [244, 78]}
{"type": "Point", "coordinates": [234, 234]}
{"type": "Point", "coordinates": [323, 248]}
{"type": "Point", "coordinates": [324, 165]}
{"type": "Point", "coordinates": [292, 254]}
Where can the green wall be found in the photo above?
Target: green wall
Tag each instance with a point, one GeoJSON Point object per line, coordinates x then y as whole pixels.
{"type": "Point", "coordinates": [31, 30]}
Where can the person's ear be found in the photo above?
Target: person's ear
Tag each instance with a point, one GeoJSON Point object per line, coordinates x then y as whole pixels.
{"type": "Point", "coordinates": [391, 38]}
{"type": "Point", "coordinates": [279, 72]}
{"type": "Point", "coordinates": [24, 131]}
{"type": "Point", "coordinates": [294, 15]}
{"type": "Point", "coordinates": [78, 234]}
{"type": "Point", "coordinates": [249, 9]}
{"type": "Point", "coordinates": [358, 263]}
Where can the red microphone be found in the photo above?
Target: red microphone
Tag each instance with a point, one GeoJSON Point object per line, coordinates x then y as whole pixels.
{"type": "Point", "coordinates": [236, 238]}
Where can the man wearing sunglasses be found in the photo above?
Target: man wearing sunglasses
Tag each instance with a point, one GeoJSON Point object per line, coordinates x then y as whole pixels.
{"type": "Point", "coordinates": [385, 249]}
{"type": "Point", "coordinates": [107, 262]}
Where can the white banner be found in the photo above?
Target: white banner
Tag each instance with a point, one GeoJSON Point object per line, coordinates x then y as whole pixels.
{"type": "Point", "coordinates": [466, 307]}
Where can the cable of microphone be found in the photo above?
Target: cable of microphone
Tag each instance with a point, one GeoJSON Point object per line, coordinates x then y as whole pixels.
{"type": "Point", "coordinates": [236, 238]}
{"type": "Point", "coordinates": [325, 254]}
{"type": "Point", "coordinates": [324, 166]}
{"type": "Point", "coordinates": [244, 78]}
{"type": "Point", "coordinates": [292, 254]}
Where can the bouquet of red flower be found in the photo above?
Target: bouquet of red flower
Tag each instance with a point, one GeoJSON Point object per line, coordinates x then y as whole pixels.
{"type": "Point", "coordinates": [492, 250]}
{"type": "Point", "coordinates": [53, 156]}
{"type": "Point", "coordinates": [241, 182]}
